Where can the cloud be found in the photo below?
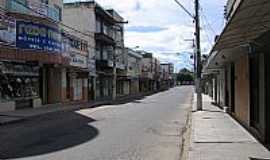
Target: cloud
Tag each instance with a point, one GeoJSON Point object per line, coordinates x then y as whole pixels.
{"type": "Point", "coordinates": [145, 29]}
{"type": "Point", "coordinates": [160, 26]}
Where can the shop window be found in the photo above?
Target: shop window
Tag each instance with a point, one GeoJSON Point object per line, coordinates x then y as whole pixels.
{"type": "Point", "coordinates": [18, 81]}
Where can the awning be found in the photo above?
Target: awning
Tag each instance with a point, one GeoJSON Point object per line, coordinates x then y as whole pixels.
{"type": "Point", "coordinates": [250, 20]}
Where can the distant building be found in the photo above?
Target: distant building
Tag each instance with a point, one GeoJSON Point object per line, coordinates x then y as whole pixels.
{"type": "Point", "coordinates": [167, 75]}
{"type": "Point", "coordinates": [134, 70]}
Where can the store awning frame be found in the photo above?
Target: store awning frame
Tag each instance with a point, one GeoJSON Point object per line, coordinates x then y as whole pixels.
{"type": "Point", "coordinates": [250, 20]}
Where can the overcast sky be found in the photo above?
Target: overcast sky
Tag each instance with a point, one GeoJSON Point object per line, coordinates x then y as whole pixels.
{"type": "Point", "coordinates": [161, 26]}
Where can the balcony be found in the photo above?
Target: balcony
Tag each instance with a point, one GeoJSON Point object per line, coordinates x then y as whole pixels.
{"type": "Point", "coordinates": [105, 36]}
{"type": "Point", "coordinates": [34, 9]}
{"type": "Point", "coordinates": [101, 63]}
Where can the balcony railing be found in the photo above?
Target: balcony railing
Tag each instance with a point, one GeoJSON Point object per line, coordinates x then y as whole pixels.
{"type": "Point", "coordinates": [35, 9]}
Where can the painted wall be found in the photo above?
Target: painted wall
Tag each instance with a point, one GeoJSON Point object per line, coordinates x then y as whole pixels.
{"type": "Point", "coordinates": [86, 23]}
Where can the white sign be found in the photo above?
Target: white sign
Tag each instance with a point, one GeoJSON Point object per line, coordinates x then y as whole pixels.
{"type": "Point", "coordinates": [7, 30]}
{"type": "Point", "coordinates": [78, 60]}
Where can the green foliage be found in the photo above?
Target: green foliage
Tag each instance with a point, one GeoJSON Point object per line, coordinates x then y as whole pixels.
{"type": "Point", "coordinates": [185, 75]}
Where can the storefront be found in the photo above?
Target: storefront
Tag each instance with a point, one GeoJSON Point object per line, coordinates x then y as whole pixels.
{"type": "Point", "coordinates": [77, 85]}
{"type": "Point", "coordinates": [104, 86]}
{"type": "Point", "coordinates": [19, 85]}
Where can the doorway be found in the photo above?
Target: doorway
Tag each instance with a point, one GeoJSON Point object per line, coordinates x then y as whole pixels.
{"type": "Point", "coordinates": [254, 91]}
{"type": "Point", "coordinates": [232, 88]}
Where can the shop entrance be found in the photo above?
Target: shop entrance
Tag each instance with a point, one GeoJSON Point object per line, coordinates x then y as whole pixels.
{"type": "Point", "coordinates": [267, 97]}
{"type": "Point", "coordinates": [254, 91]}
{"type": "Point", "coordinates": [77, 89]}
{"type": "Point", "coordinates": [232, 88]}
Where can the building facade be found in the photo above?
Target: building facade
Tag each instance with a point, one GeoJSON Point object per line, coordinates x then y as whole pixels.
{"type": "Point", "coordinates": [134, 69]}
{"type": "Point", "coordinates": [50, 56]}
{"type": "Point", "coordinates": [167, 78]}
{"type": "Point", "coordinates": [105, 30]}
{"type": "Point", "coordinates": [150, 72]}
{"type": "Point", "coordinates": [30, 53]}
{"type": "Point", "coordinates": [239, 66]}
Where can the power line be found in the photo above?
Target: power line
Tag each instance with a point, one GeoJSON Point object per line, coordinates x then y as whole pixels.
{"type": "Point", "coordinates": [190, 14]}
{"type": "Point", "coordinates": [207, 22]}
{"type": "Point", "coordinates": [207, 34]}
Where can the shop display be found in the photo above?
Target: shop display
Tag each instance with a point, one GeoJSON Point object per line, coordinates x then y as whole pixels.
{"type": "Point", "coordinates": [18, 81]}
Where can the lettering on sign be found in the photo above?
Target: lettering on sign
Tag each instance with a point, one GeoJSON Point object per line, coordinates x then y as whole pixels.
{"type": "Point", "coordinates": [78, 60]}
{"type": "Point", "coordinates": [37, 36]}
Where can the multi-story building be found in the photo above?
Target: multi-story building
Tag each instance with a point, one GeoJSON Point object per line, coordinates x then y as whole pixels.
{"type": "Point", "coordinates": [30, 53]}
{"type": "Point", "coordinates": [167, 75]}
{"type": "Point", "coordinates": [105, 30]}
{"type": "Point", "coordinates": [134, 70]}
{"type": "Point", "coordinates": [78, 72]}
{"type": "Point", "coordinates": [122, 83]}
{"type": "Point", "coordinates": [239, 64]}
{"type": "Point", "coordinates": [150, 72]}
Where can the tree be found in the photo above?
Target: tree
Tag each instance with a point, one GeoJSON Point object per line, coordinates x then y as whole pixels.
{"type": "Point", "coordinates": [185, 76]}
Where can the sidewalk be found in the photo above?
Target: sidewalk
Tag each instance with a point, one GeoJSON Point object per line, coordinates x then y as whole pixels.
{"type": "Point", "coordinates": [21, 115]}
{"type": "Point", "coordinates": [217, 136]}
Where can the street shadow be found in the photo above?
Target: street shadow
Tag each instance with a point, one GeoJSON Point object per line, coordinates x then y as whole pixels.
{"type": "Point", "coordinates": [210, 111]}
{"type": "Point", "coordinates": [45, 134]}
{"type": "Point", "coordinates": [258, 159]}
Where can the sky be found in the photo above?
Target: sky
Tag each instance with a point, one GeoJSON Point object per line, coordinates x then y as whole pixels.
{"type": "Point", "coordinates": [163, 28]}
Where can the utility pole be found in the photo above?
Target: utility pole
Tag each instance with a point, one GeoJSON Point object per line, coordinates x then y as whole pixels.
{"type": "Point", "coordinates": [198, 55]}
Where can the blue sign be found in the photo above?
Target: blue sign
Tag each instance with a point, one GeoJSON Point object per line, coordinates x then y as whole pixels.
{"type": "Point", "coordinates": [38, 36]}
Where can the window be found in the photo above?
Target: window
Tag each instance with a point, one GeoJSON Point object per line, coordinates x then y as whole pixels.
{"type": "Point", "coordinates": [98, 26]}
{"type": "Point", "coordinates": [55, 13]}
{"type": "Point", "coordinates": [45, 1]}
{"type": "Point", "coordinates": [59, 12]}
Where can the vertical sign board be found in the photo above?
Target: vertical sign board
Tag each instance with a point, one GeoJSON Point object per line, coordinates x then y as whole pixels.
{"type": "Point", "coordinates": [7, 30]}
{"type": "Point", "coordinates": [38, 36]}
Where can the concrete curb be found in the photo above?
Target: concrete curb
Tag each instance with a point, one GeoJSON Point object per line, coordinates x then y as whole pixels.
{"type": "Point", "coordinates": [186, 138]}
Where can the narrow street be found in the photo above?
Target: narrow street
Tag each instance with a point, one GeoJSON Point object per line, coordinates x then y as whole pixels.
{"type": "Point", "coordinates": [146, 129]}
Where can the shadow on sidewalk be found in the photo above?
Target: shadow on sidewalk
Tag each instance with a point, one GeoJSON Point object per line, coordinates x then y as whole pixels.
{"type": "Point", "coordinates": [208, 110]}
{"type": "Point", "coordinates": [46, 134]}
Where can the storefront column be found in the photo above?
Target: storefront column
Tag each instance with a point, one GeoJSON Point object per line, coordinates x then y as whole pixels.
{"type": "Point", "coordinates": [64, 85]}
{"type": "Point", "coordinates": [85, 89]}
{"type": "Point", "coordinates": [54, 85]}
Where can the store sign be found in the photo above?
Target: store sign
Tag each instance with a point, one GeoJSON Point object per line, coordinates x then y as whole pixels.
{"type": "Point", "coordinates": [37, 36]}
{"type": "Point", "coordinates": [78, 60]}
{"type": "Point", "coordinates": [7, 30]}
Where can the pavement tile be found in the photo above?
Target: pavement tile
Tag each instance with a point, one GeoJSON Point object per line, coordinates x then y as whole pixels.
{"type": "Point", "coordinates": [217, 136]}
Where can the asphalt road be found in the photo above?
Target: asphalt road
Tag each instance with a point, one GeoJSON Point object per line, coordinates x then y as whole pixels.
{"type": "Point", "coordinates": [146, 129]}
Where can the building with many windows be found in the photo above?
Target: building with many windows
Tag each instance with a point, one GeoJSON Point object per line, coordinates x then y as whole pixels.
{"type": "Point", "coordinates": [105, 31]}
{"type": "Point", "coordinates": [134, 70]}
